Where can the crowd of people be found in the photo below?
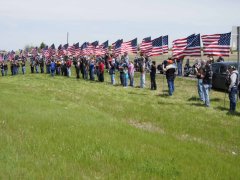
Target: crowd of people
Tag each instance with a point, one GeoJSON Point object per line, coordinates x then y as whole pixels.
{"type": "Point", "coordinates": [94, 67]}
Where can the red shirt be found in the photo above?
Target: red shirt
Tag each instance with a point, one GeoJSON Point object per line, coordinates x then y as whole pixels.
{"type": "Point", "coordinates": [101, 67]}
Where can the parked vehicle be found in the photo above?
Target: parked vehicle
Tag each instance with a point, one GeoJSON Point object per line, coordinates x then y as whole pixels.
{"type": "Point", "coordinates": [220, 74]}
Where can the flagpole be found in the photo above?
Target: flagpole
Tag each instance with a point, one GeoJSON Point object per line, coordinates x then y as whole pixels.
{"type": "Point", "coordinates": [67, 37]}
{"type": "Point", "coordinates": [238, 49]}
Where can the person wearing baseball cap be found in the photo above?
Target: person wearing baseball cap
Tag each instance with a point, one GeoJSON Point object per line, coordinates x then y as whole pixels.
{"type": "Point", "coordinates": [232, 89]}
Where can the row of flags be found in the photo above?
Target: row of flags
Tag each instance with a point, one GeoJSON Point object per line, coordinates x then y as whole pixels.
{"type": "Point", "coordinates": [213, 45]}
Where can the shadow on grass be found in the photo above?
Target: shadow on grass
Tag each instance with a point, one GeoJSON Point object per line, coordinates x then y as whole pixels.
{"type": "Point", "coordinates": [165, 103]}
{"type": "Point", "coordinates": [193, 98]}
{"type": "Point", "coordinates": [197, 104]}
{"type": "Point", "coordinates": [221, 108]}
{"type": "Point", "coordinates": [216, 99]}
{"type": "Point", "coordinates": [143, 94]}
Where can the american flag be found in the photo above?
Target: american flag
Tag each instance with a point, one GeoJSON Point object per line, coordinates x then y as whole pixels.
{"type": "Point", "coordinates": [11, 55]}
{"type": "Point", "coordinates": [71, 50]}
{"type": "Point", "coordinates": [65, 47]}
{"type": "Point", "coordinates": [91, 48]}
{"type": "Point", "coordinates": [130, 46]}
{"type": "Point", "coordinates": [52, 50]}
{"type": "Point", "coordinates": [60, 51]}
{"type": "Point", "coordinates": [102, 49]}
{"type": "Point", "coordinates": [117, 47]}
{"type": "Point", "coordinates": [165, 44]}
{"type": "Point", "coordinates": [216, 44]}
{"type": "Point", "coordinates": [156, 47]}
{"type": "Point", "coordinates": [34, 51]}
{"type": "Point", "coordinates": [45, 52]}
{"type": "Point", "coordinates": [146, 45]}
{"type": "Point", "coordinates": [77, 49]}
{"type": "Point", "coordinates": [84, 48]}
{"type": "Point", "coordinates": [189, 46]}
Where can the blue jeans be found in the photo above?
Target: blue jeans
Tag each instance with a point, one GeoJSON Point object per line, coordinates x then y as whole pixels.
{"type": "Point", "coordinates": [23, 69]}
{"type": "Point", "coordinates": [68, 72]}
{"type": "Point", "coordinates": [233, 100]}
{"type": "Point", "coordinates": [179, 66]}
{"type": "Point", "coordinates": [92, 75]}
{"type": "Point", "coordinates": [131, 77]}
{"type": "Point", "coordinates": [142, 80]}
{"type": "Point", "coordinates": [206, 88]}
{"type": "Point", "coordinates": [200, 90]}
{"type": "Point", "coordinates": [125, 82]}
{"type": "Point", "coordinates": [36, 67]}
{"type": "Point", "coordinates": [170, 86]}
{"type": "Point", "coordinates": [112, 78]}
{"type": "Point", "coordinates": [2, 72]}
{"type": "Point", "coordinates": [52, 72]}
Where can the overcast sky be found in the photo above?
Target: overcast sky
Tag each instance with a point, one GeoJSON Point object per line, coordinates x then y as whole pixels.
{"type": "Point", "coordinates": [30, 22]}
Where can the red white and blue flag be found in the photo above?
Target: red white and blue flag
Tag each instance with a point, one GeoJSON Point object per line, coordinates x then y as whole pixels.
{"type": "Point", "coordinates": [216, 44]}
{"type": "Point", "coordinates": [129, 46]}
{"type": "Point", "coordinates": [117, 47]}
{"type": "Point", "coordinates": [189, 46]}
{"type": "Point", "coordinates": [102, 49]}
{"type": "Point", "coordinates": [146, 45]}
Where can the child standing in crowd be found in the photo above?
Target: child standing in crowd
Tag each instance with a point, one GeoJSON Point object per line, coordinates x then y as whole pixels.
{"type": "Point", "coordinates": [131, 73]}
{"type": "Point", "coordinates": [125, 81]}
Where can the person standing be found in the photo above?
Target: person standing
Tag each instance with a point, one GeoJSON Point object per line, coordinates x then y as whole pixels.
{"type": "Point", "coordinates": [53, 67]}
{"type": "Point", "coordinates": [131, 73]}
{"type": "Point", "coordinates": [91, 70]}
{"type": "Point", "coordinates": [179, 66]}
{"type": "Point", "coordinates": [153, 70]}
{"type": "Point", "coordinates": [232, 89]}
{"type": "Point", "coordinates": [2, 68]}
{"type": "Point", "coordinates": [207, 81]}
{"type": "Point", "coordinates": [142, 69]}
{"type": "Point", "coordinates": [23, 64]}
{"type": "Point", "coordinates": [200, 75]}
{"type": "Point", "coordinates": [170, 70]}
{"type": "Point", "coordinates": [101, 72]}
{"type": "Point", "coordinates": [125, 80]}
{"type": "Point", "coordinates": [112, 71]}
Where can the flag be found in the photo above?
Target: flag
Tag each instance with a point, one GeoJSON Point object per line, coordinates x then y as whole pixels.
{"type": "Point", "coordinates": [102, 49]}
{"type": "Point", "coordinates": [165, 44]}
{"type": "Point", "coordinates": [52, 50]}
{"type": "Point", "coordinates": [117, 47]}
{"type": "Point", "coordinates": [130, 46]}
{"type": "Point", "coordinates": [71, 50]}
{"type": "Point", "coordinates": [146, 45]}
{"type": "Point", "coordinates": [65, 47]}
{"type": "Point", "coordinates": [45, 52]}
{"type": "Point", "coordinates": [34, 51]}
{"type": "Point", "coordinates": [216, 44]}
{"type": "Point", "coordinates": [60, 51]}
{"type": "Point", "coordinates": [84, 48]}
{"type": "Point", "coordinates": [77, 50]}
{"type": "Point", "coordinates": [189, 46]}
{"type": "Point", "coordinates": [156, 49]}
{"type": "Point", "coordinates": [91, 47]}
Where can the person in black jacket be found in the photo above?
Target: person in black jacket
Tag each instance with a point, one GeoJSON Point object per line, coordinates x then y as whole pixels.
{"type": "Point", "coordinates": [170, 70]}
{"type": "Point", "coordinates": [207, 81]}
{"type": "Point", "coordinates": [153, 76]}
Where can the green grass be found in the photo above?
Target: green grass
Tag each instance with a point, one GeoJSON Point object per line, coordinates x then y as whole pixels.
{"type": "Point", "coordinates": [63, 128]}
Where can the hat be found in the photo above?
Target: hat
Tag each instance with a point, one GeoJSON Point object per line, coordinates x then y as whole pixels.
{"type": "Point", "coordinates": [232, 67]}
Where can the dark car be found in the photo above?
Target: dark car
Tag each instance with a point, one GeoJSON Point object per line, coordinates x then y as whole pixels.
{"type": "Point", "coordinates": [220, 74]}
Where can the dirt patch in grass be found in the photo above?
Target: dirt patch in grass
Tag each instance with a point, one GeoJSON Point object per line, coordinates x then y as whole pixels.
{"type": "Point", "coordinates": [146, 126]}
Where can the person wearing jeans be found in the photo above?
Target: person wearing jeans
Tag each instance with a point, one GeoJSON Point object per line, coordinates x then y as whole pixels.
{"type": "Point", "coordinates": [232, 89]}
{"type": "Point", "coordinates": [170, 75]}
{"type": "Point", "coordinates": [207, 81]}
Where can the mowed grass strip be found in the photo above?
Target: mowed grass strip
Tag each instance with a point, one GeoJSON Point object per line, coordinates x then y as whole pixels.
{"type": "Point", "coordinates": [62, 128]}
